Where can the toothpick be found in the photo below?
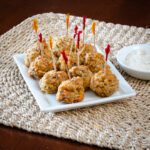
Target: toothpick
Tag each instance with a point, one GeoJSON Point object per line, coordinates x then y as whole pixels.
{"type": "Point", "coordinates": [94, 40]}
{"type": "Point", "coordinates": [78, 47]}
{"type": "Point", "coordinates": [71, 47]}
{"type": "Point", "coordinates": [74, 36]}
{"type": "Point", "coordinates": [66, 62]}
{"type": "Point", "coordinates": [78, 58]}
{"type": "Point", "coordinates": [40, 39]}
{"type": "Point", "coordinates": [68, 71]}
{"type": "Point", "coordinates": [93, 31]}
{"type": "Point", "coordinates": [107, 51]}
{"type": "Point", "coordinates": [35, 27]}
{"type": "Point", "coordinates": [83, 22]}
{"type": "Point", "coordinates": [50, 45]}
{"type": "Point", "coordinates": [51, 51]}
{"type": "Point", "coordinates": [67, 23]}
{"type": "Point", "coordinates": [83, 36]}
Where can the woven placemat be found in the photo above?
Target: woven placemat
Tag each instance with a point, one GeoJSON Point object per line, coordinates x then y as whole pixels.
{"type": "Point", "coordinates": [121, 125]}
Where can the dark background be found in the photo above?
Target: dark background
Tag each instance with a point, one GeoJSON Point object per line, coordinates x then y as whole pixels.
{"type": "Point", "coordinates": [131, 12]}
{"type": "Point", "coordinates": [12, 12]}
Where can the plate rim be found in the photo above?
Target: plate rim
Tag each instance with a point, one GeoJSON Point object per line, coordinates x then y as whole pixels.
{"type": "Point", "coordinates": [80, 104]}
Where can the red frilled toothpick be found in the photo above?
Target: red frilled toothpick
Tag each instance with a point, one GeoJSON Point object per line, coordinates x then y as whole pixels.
{"type": "Point", "coordinates": [84, 23]}
{"type": "Point", "coordinates": [107, 51]}
{"type": "Point", "coordinates": [74, 36]}
{"type": "Point", "coordinates": [75, 31]}
{"type": "Point", "coordinates": [78, 47]}
{"type": "Point", "coordinates": [78, 39]}
{"type": "Point", "coordinates": [65, 57]}
{"type": "Point", "coordinates": [40, 44]}
{"type": "Point", "coordinates": [40, 37]}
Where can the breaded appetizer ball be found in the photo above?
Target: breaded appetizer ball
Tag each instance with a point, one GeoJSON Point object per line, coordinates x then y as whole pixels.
{"type": "Point", "coordinates": [95, 61]}
{"type": "Point", "coordinates": [39, 48]}
{"type": "Point", "coordinates": [31, 55]}
{"type": "Point", "coordinates": [51, 80]}
{"type": "Point", "coordinates": [105, 83]}
{"type": "Point", "coordinates": [72, 61]}
{"type": "Point", "coordinates": [40, 66]}
{"type": "Point", "coordinates": [71, 91]}
{"type": "Point", "coordinates": [63, 43]}
{"type": "Point", "coordinates": [84, 72]}
{"type": "Point", "coordinates": [85, 49]}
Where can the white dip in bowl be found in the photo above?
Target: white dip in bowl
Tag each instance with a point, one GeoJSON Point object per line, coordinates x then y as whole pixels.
{"type": "Point", "coordinates": [135, 60]}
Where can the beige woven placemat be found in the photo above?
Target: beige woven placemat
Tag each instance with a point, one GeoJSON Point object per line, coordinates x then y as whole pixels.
{"type": "Point", "coordinates": [122, 125]}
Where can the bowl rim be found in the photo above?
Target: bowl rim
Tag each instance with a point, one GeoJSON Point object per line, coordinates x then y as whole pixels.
{"type": "Point", "coordinates": [124, 65]}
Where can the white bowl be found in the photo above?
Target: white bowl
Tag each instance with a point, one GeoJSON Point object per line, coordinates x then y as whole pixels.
{"type": "Point", "coordinates": [122, 54]}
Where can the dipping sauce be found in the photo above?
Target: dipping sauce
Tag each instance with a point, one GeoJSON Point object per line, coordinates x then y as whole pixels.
{"type": "Point", "coordinates": [138, 60]}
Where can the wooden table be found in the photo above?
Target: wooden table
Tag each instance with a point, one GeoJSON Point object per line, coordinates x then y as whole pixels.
{"type": "Point", "coordinates": [131, 12]}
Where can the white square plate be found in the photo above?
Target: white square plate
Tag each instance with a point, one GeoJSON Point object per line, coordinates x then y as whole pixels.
{"type": "Point", "coordinates": [48, 102]}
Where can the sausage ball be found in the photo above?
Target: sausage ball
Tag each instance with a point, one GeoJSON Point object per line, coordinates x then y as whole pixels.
{"type": "Point", "coordinates": [95, 61]}
{"type": "Point", "coordinates": [40, 66]}
{"type": "Point", "coordinates": [39, 48]}
{"type": "Point", "coordinates": [85, 49]}
{"type": "Point", "coordinates": [30, 56]}
{"type": "Point", "coordinates": [51, 80]}
{"type": "Point", "coordinates": [72, 61]}
{"type": "Point", "coordinates": [84, 72]}
{"type": "Point", "coordinates": [64, 43]}
{"type": "Point", "coordinates": [71, 91]}
{"type": "Point", "coordinates": [105, 83]}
